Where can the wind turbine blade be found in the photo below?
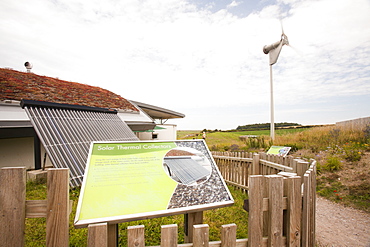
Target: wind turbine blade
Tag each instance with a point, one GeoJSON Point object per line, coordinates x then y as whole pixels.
{"type": "Point", "coordinates": [300, 53]}
{"type": "Point", "coordinates": [281, 24]}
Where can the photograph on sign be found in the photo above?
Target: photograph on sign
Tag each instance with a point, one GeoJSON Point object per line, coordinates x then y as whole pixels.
{"type": "Point", "coordinates": [135, 180]}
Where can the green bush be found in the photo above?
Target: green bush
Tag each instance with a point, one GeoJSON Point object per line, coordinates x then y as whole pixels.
{"type": "Point", "coordinates": [333, 163]}
{"type": "Point", "coordinates": [294, 147]}
{"type": "Point", "coordinates": [257, 142]}
{"type": "Point", "coordinates": [353, 151]}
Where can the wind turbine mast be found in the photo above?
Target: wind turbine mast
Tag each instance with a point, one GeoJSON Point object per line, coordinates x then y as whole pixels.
{"type": "Point", "coordinates": [274, 50]}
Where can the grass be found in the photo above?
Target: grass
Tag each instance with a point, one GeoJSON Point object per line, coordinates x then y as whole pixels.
{"type": "Point", "coordinates": [340, 154]}
{"type": "Point", "coordinates": [356, 196]}
{"type": "Point", "coordinates": [230, 141]}
{"type": "Point", "coordinates": [35, 231]}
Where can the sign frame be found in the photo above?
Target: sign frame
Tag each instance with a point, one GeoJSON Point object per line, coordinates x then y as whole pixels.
{"type": "Point", "coordinates": [153, 161]}
{"type": "Point", "coordinates": [279, 150]}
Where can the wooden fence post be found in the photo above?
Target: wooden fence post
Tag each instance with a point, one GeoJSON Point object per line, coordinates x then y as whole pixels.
{"type": "Point", "coordinates": [293, 164]}
{"type": "Point", "coordinates": [294, 211]}
{"type": "Point", "coordinates": [97, 235]}
{"type": "Point", "coordinates": [313, 202]}
{"type": "Point", "coordinates": [255, 216]}
{"type": "Point", "coordinates": [57, 216]}
{"type": "Point", "coordinates": [12, 206]}
{"type": "Point", "coordinates": [135, 235]}
{"type": "Point", "coordinates": [169, 235]}
{"type": "Point", "coordinates": [112, 235]}
{"type": "Point", "coordinates": [228, 235]}
{"type": "Point", "coordinates": [275, 229]}
{"type": "Point", "coordinates": [201, 235]}
{"type": "Point", "coordinates": [306, 210]}
{"type": "Point", "coordinates": [256, 164]}
{"type": "Point", "coordinates": [302, 167]}
{"type": "Point", "coordinates": [309, 208]}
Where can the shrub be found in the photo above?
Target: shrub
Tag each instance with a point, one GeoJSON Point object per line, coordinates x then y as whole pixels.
{"type": "Point", "coordinates": [333, 163]}
{"type": "Point", "coordinates": [334, 134]}
{"type": "Point", "coordinates": [354, 150]}
{"type": "Point", "coordinates": [294, 147]}
{"type": "Point", "coordinates": [367, 132]}
{"type": "Point", "coordinates": [257, 142]}
{"type": "Point", "coordinates": [234, 148]}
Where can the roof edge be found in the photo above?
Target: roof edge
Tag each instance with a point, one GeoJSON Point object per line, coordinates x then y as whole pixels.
{"type": "Point", "coordinates": [45, 104]}
{"type": "Point", "coordinates": [157, 108]}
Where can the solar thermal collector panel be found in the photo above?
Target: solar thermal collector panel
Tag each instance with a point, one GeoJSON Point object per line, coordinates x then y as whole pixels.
{"type": "Point", "coordinates": [67, 133]}
{"type": "Point", "coordinates": [186, 169]}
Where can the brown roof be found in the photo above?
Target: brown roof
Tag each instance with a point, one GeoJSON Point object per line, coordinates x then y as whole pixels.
{"type": "Point", "coordinates": [15, 85]}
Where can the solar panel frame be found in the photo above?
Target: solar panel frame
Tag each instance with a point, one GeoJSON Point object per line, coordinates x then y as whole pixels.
{"type": "Point", "coordinates": [67, 133]}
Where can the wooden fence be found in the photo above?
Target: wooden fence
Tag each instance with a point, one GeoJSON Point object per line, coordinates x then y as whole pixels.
{"type": "Point", "coordinates": [281, 207]}
{"type": "Point", "coordinates": [236, 167]}
{"type": "Point", "coordinates": [14, 208]}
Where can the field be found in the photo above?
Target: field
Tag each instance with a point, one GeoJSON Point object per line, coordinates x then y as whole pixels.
{"type": "Point", "coordinates": [230, 141]}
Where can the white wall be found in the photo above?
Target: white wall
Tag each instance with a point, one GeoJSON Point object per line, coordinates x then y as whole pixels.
{"type": "Point", "coordinates": [169, 133]}
{"type": "Point", "coordinates": [358, 124]}
{"type": "Point", "coordinates": [17, 152]}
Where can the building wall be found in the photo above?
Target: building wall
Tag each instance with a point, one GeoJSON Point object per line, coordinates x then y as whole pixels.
{"type": "Point", "coordinates": [17, 152]}
{"type": "Point", "coordinates": [358, 124]}
{"type": "Point", "coordinates": [144, 136]}
{"type": "Point", "coordinates": [169, 133]}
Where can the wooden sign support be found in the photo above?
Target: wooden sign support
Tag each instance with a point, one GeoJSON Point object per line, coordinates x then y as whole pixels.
{"type": "Point", "coordinates": [190, 220]}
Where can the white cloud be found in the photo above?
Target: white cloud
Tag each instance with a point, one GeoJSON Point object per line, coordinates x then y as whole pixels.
{"type": "Point", "coordinates": [233, 4]}
{"type": "Point", "coordinates": [173, 54]}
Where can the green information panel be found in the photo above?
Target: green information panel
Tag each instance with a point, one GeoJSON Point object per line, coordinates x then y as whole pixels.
{"type": "Point", "coordinates": [279, 150]}
{"type": "Point", "coordinates": [127, 181]}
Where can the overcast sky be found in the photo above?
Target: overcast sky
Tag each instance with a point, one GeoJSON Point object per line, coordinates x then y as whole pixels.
{"type": "Point", "coordinates": [202, 58]}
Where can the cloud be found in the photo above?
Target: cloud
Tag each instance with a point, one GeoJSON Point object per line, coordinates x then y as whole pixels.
{"type": "Point", "coordinates": [183, 56]}
{"type": "Point", "coordinates": [233, 4]}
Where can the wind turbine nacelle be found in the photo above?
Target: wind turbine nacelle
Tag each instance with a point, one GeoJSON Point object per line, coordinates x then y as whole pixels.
{"type": "Point", "coordinates": [283, 41]}
{"type": "Point", "coordinates": [268, 48]}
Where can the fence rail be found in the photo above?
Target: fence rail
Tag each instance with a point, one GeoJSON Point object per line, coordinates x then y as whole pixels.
{"type": "Point", "coordinates": [236, 167]}
{"type": "Point", "coordinates": [282, 203]}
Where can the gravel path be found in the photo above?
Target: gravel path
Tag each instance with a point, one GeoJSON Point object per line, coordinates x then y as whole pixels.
{"type": "Point", "coordinates": [341, 226]}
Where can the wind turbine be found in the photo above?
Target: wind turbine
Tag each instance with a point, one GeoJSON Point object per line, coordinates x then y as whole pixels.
{"type": "Point", "coordinates": [274, 50]}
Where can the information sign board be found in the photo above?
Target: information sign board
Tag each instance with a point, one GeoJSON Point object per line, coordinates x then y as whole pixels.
{"type": "Point", "coordinates": [126, 181]}
{"type": "Point", "coordinates": [279, 150]}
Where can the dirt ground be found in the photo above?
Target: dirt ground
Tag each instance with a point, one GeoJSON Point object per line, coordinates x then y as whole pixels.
{"type": "Point", "coordinates": [339, 225]}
